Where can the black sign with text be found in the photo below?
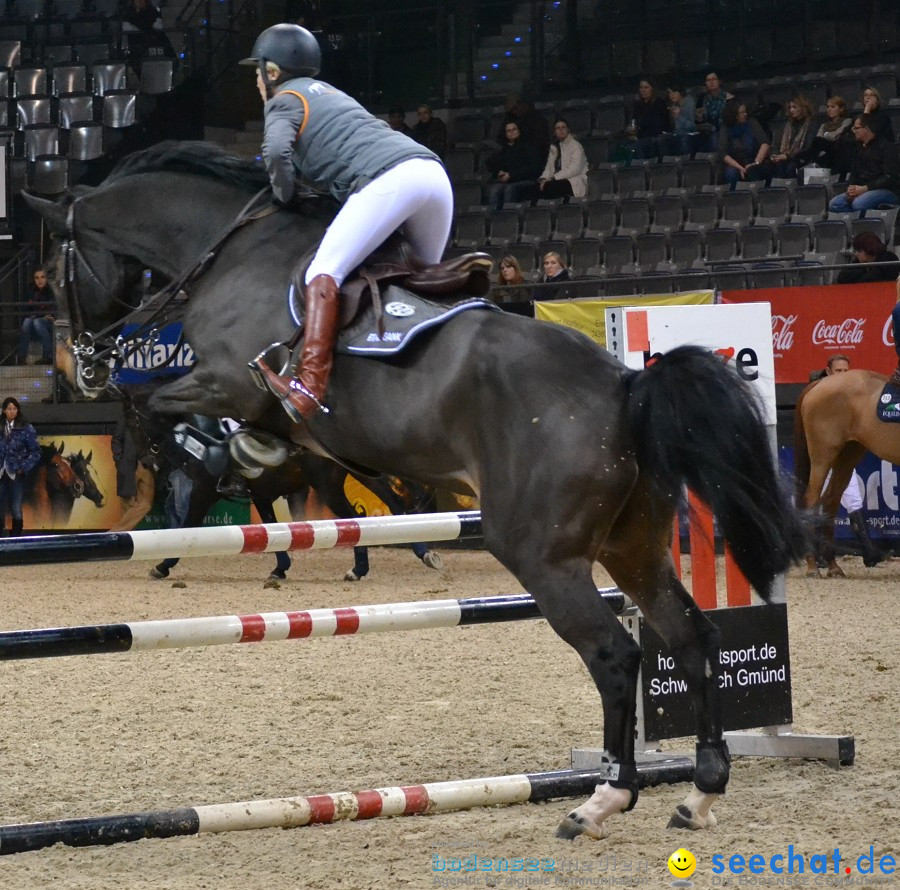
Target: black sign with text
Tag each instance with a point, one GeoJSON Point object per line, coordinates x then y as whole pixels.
{"type": "Point", "coordinates": [754, 675]}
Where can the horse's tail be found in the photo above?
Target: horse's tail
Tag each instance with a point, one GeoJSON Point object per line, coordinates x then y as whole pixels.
{"type": "Point", "coordinates": [802, 466]}
{"type": "Point", "coordinates": [696, 423]}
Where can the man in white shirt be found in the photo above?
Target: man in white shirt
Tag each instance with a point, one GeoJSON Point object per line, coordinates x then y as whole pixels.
{"type": "Point", "coordinates": [565, 174]}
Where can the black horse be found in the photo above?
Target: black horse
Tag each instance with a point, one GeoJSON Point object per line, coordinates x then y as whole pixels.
{"type": "Point", "coordinates": [574, 457]}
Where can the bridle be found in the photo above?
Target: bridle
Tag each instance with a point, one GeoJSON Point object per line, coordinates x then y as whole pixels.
{"type": "Point", "coordinates": [93, 350]}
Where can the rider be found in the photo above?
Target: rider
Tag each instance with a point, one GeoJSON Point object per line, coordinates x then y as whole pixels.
{"type": "Point", "coordinates": [383, 179]}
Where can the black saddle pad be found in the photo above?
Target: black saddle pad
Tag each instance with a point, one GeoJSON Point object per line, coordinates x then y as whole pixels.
{"type": "Point", "coordinates": [889, 403]}
{"type": "Point", "coordinates": [406, 315]}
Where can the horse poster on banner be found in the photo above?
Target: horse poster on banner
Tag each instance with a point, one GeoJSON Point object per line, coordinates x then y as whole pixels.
{"type": "Point", "coordinates": [809, 324]}
{"type": "Point", "coordinates": [73, 486]}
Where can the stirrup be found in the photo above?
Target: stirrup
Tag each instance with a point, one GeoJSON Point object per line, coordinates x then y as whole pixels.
{"type": "Point", "coordinates": [256, 372]}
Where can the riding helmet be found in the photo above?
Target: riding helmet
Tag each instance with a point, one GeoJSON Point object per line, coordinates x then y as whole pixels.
{"type": "Point", "coordinates": [292, 48]}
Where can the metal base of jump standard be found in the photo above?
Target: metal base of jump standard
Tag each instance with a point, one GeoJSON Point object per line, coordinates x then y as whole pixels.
{"type": "Point", "coordinates": [296, 812]}
{"type": "Point", "coordinates": [231, 540]}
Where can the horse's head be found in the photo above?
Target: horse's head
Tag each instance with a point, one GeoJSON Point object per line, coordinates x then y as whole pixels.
{"type": "Point", "coordinates": [61, 476]}
{"type": "Point", "coordinates": [94, 284]}
{"type": "Point", "coordinates": [80, 464]}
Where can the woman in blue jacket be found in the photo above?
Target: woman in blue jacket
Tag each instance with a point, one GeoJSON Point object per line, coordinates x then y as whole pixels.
{"type": "Point", "coordinates": [19, 455]}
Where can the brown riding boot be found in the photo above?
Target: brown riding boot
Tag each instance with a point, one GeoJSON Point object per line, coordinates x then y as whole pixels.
{"type": "Point", "coordinates": [302, 395]}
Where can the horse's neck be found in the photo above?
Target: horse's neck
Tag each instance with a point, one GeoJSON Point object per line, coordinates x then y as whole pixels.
{"type": "Point", "coordinates": [172, 231]}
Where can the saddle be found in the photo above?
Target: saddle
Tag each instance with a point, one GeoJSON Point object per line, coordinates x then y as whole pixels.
{"type": "Point", "coordinates": [396, 263]}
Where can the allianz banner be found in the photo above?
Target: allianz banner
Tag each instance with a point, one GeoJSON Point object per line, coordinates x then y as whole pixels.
{"type": "Point", "coordinates": [810, 324]}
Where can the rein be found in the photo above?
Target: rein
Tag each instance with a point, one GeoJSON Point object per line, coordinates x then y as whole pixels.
{"type": "Point", "coordinates": [91, 349]}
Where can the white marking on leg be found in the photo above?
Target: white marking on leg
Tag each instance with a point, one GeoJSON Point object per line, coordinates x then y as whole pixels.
{"type": "Point", "coordinates": [606, 801]}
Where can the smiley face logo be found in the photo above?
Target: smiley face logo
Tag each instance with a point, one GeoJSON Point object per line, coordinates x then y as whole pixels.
{"type": "Point", "coordinates": [682, 863]}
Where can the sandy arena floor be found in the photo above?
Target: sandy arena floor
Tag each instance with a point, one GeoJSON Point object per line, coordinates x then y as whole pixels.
{"type": "Point", "coordinates": [109, 734]}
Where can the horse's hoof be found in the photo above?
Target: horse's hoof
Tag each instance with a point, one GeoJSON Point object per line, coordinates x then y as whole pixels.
{"type": "Point", "coordinates": [813, 573]}
{"type": "Point", "coordinates": [574, 826]}
{"type": "Point", "coordinates": [351, 576]}
{"type": "Point", "coordinates": [835, 572]}
{"type": "Point", "coordinates": [157, 575]}
{"type": "Point", "coordinates": [179, 584]}
{"type": "Point", "coordinates": [684, 818]}
{"type": "Point", "coordinates": [271, 583]}
{"type": "Point", "coordinates": [433, 560]}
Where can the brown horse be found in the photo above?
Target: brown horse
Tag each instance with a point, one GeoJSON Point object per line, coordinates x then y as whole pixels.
{"type": "Point", "coordinates": [835, 424]}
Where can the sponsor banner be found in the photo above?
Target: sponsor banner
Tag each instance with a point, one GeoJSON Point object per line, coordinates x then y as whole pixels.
{"type": "Point", "coordinates": [880, 482]}
{"type": "Point", "coordinates": [166, 355]}
{"type": "Point", "coordinates": [754, 675]}
{"type": "Point", "coordinates": [810, 324]}
{"type": "Point", "coordinates": [589, 316]}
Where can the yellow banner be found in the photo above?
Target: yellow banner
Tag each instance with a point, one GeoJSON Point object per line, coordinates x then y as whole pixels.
{"type": "Point", "coordinates": [589, 316]}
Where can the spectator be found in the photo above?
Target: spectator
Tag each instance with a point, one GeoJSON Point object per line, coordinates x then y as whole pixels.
{"type": "Point", "coordinates": [831, 145]}
{"type": "Point", "coordinates": [710, 108]}
{"type": "Point", "coordinates": [143, 26]}
{"type": "Point", "coordinates": [531, 123]}
{"type": "Point", "coordinates": [874, 177]}
{"type": "Point", "coordinates": [39, 307]}
{"type": "Point", "coordinates": [796, 137]}
{"type": "Point", "coordinates": [683, 122]}
{"type": "Point", "coordinates": [555, 273]}
{"type": "Point", "coordinates": [881, 120]}
{"type": "Point", "coordinates": [430, 131]}
{"type": "Point", "coordinates": [509, 276]}
{"type": "Point", "coordinates": [514, 170]}
{"type": "Point", "coordinates": [743, 148]}
{"type": "Point", "coordinates": [565, 173]}
{"type": "Point", "coordinates": [19, 455]}
{"type": "Point", "coordinates": [649, 120]}
{"type": "Point", "coordinates": [868, 249]}
{"type": "Point", "coordinates": [397, 120]}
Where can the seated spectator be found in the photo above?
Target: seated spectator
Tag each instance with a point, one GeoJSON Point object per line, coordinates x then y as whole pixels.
{"type": "Point", "coordinates": [430, 131]}
{"type": "Point", "coordinates": [881, 120]}
{"type": "Point", "coordinates": [649, 120]}
{"type": "Point", "coordinates": [868, 249]}
{"type": "Point", "coordinates": [683, 122]}
{"type": "Point", "coordinates": [397, 120]}
{"type": "Point", "coordinates": [143, 26]}
{"type": "Point", "coordinates": [509, 274]}
{"type": "Point", "coordinates": [832, 143]}
{"type": "Point", "coordinates": [514, 170]}
{"type": "Point", "coordinates": [565, 173]}
{"type": "Point", "coordinates": [532, 124]}
{"type": "Point", "coordinates": [555, 273]}
{"type": "Point", "coordinates": [796, 136]}
{"type": "Point", "coordinates": [39, 307]}
{"type": "Point", "coordinates": [710, 107]}
{"type": "Point", "coordinates": [743, 148]}
{"type": "Point", "coordinates": [874, 177]}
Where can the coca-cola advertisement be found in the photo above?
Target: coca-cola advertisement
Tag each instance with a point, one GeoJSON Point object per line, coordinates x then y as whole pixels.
{"type": "Point", "coordinates": [809, 324]}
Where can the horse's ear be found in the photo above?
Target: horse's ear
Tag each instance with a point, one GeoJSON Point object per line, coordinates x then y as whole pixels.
{"type": "Point", "coordinates": [53, 214]}
{"type": "Point", "coordinates": [90, 454]}
{"type": "Point", "coordinates": [62, 445]}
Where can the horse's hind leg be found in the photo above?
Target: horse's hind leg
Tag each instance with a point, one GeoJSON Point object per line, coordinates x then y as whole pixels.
{"type": "Point", "coordinates": [640, 562]}
{"type": "Point", "coordinates": [557, 573]}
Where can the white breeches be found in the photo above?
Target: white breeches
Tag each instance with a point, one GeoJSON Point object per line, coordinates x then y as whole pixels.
{"type": "Point", "coordinates": [851, 499]}
{"type": "Point", "coordinates": [415, 195]}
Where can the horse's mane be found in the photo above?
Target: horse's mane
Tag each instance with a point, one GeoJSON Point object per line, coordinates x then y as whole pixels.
{"type": "Point", "coordinates": [199, 158]}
